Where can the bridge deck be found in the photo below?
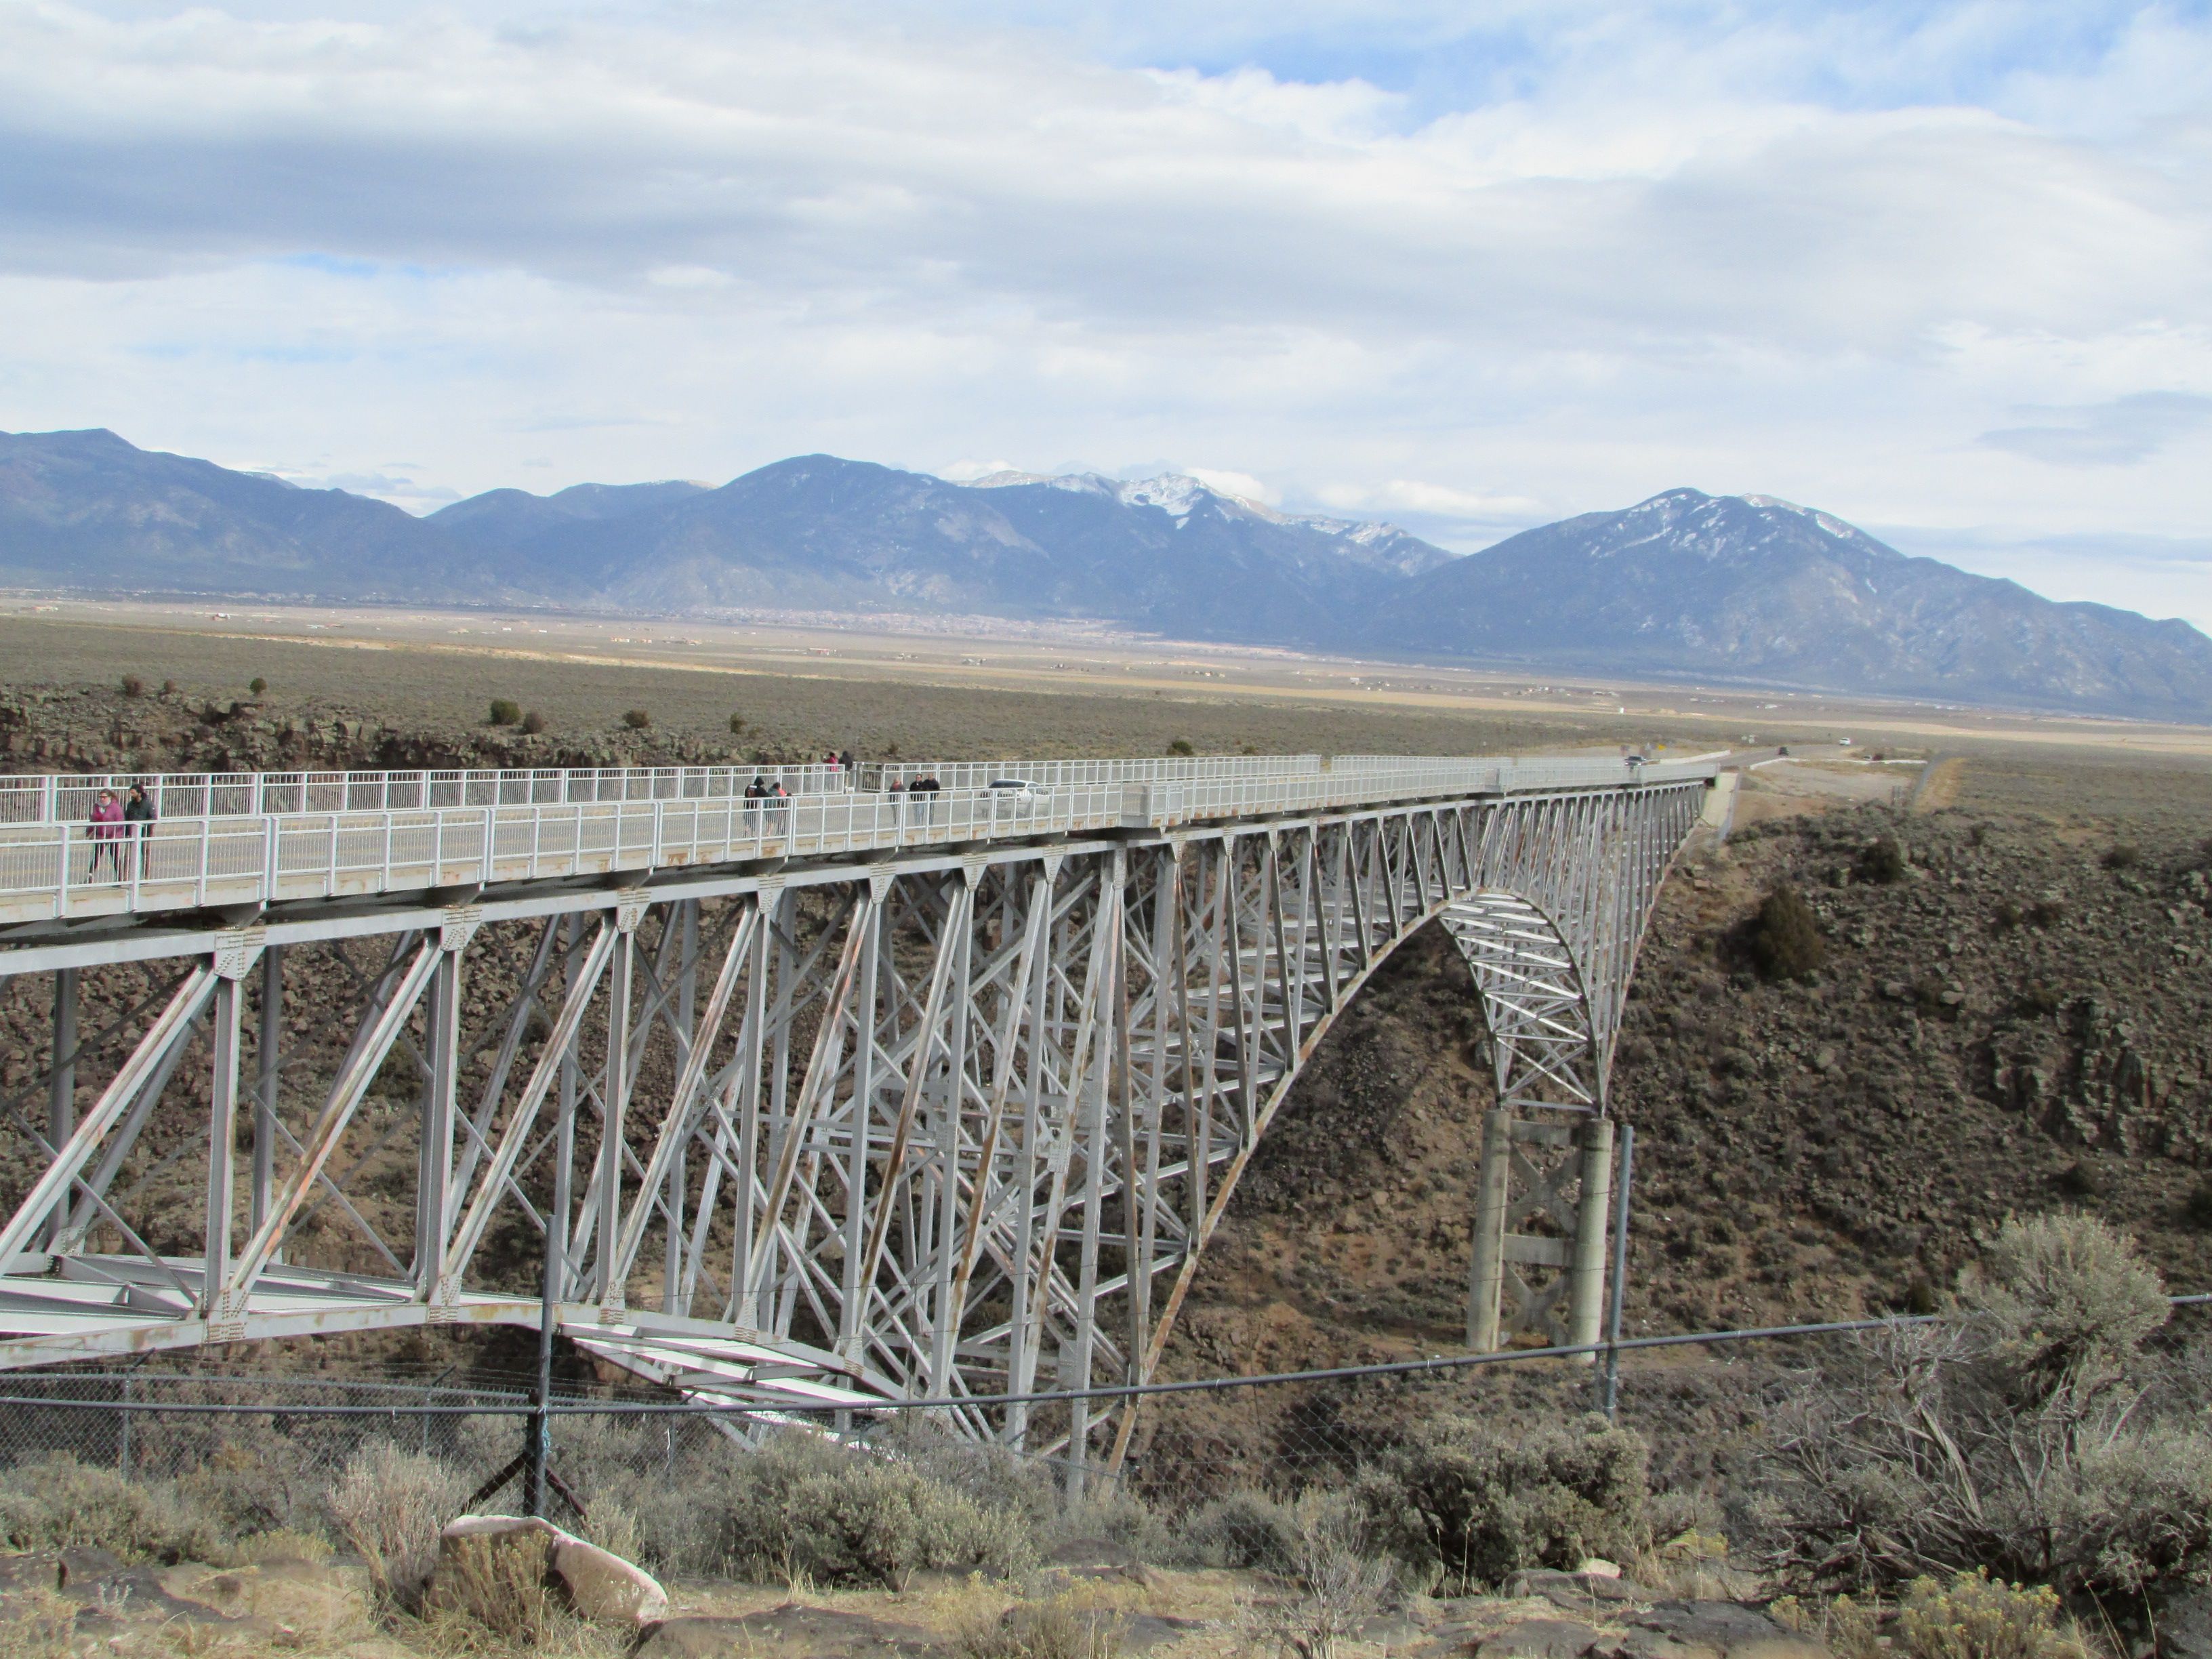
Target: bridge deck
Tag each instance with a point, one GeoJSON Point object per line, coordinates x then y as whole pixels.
{"type": "Point", "coordinates": [663, 818]}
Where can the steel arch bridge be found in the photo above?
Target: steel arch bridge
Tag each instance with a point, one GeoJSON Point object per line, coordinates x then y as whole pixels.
{"type": "Point", "coordinates": [848, 1093]}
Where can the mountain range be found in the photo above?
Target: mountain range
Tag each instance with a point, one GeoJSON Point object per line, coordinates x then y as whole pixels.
{"type": "Point", "coordinates": [1717, 587]}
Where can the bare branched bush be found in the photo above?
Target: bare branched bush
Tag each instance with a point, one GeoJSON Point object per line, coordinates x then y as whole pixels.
{"type": "Point", "coordinates": [2012, 1435]}
{"type": "Point", "coordinates": [1339, 1579]}
{"type": "Point", "coordinates": [390, 1504]}
{"type": "Point", "coordinates": [1464, 1504]}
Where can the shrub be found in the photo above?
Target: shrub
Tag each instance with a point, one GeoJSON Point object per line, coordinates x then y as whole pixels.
{"type": "Point", "coordinates": [2198, 1207]}
{"type": "Point", "coordinates": [1883, 860]}
{"type": "Point", "coordinates": [1850, 1630]}
{"type": "Point", "coordinates": [1051, 1629]}
{"type": "Point", "coordinates": [838, 1515]}
{"type": "Point", "coordinates": [391, 1505]}
{"type": "Point", "coordinates": [168, 688]}
{"type": "Point", "coordinates": [257, 685]}
{"type": "Point", "coordinates": [1464, 1504]}
{"type": "Point", "coordinates": [505, 711]}
{"type": "Point", "coordinates": [533, 723]}
{"type": "Point", "coordinates": [2080, 1179]}
{"type": "Point", "coordinates": [1976, 1617]}
{"type": "Point", "coordinates": [133, 686]}
{"type": "Point", "coordinates": [2136, 1510]}
{"type": "Point", "coordinates": [2121, 855]}
{"type": "Point", "coordinates": [2019, 1434]}
{"type": "Point", "coordinates": [1342, 1579]}
{"type": "Point", "coordinates": [2047, 913]}
{"type": "Point", "coordinates": [637, 720]}
{"type": "Point", "coordinates": [501, 1586]}
{"type": "Point", "coordinates": [60, 1503]}
{"type": "Point", "coordinates": [1181, 746]}
{"type": "Point", "coordinates": [2064, 1300]}
{"type": "Point", "coordinates": [737, 726]}
{"type": "Point", "coordinates": [1245, 1529]}
{"type": "Point", "coordinates": [1785, 937]}
{"type": "Point", "coordinates": [2009, 916]}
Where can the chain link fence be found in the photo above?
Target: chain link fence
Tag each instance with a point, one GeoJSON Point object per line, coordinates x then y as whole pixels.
{"type": "Point", "coordinates": [264, 1451]}
{"type": "Point", "coordinates": [1190, 1443]}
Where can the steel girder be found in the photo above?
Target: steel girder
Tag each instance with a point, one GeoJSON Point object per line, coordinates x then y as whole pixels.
{"type": "Point", "coordinates": [951, 1128]}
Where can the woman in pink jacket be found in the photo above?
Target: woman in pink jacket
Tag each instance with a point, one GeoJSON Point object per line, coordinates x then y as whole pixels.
{"type": "Point", "coordinates": [107, 833]}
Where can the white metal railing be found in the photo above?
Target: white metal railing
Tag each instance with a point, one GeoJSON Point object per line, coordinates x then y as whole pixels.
{"type": "Point", "coordinates": [58, 798]}
{"type": "Point", "coordinates": [61, 869]}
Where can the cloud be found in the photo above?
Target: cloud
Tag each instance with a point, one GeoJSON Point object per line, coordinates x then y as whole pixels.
{"type": "Point", "coordinates": [1243, 485]}
{"type": "Point", "coordinates": [2116, 434]}
{"type": "Point", "coordinates": [968, 471]}
{"type": "Point", "coordinates": [1462, 268]}
{"type": "Point", "coordinates": [1437, 501]}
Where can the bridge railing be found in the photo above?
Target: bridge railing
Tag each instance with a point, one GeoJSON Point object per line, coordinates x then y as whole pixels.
{"type": "Point", "coordinates": [62, 869]}
{"type": "Point", "coordinates": [50, 800]}
{"type": "Point", "coordinates": [36, 798]}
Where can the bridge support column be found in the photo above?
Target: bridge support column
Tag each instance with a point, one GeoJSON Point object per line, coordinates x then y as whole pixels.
{"type": "Point", "coordinates": [1487, 1280]}
{"type": "Point", "coordinates": [1586, 1277]}
{"type": "Point", "coordinates": [1568, 1182]}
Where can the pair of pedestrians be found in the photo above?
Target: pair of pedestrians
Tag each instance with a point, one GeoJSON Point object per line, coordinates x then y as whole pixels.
{"type": "Point", "coordinates": [112, 822]}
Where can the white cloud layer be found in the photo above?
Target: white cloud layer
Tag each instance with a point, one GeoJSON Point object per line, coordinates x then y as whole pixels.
{"type": "Point", "coordinates": [1946, 265]}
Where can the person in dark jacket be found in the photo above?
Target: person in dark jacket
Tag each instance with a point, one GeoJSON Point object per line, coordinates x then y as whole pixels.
{"type": "Point", "coordinates": [139, 809]}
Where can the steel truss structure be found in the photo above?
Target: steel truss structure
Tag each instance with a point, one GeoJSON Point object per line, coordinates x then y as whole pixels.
{"type": "Point", "coordinates": [951, 1120]}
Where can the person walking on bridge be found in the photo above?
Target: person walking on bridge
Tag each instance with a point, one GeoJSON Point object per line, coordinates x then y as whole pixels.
{"type": "Point", "coordinates": [107, 833]}
{"type": "Point", "coordinates": [139, 810]}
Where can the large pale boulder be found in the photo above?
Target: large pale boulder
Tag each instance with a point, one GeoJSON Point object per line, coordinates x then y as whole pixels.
{"type": "Point", "coordinates": [600, 1585]}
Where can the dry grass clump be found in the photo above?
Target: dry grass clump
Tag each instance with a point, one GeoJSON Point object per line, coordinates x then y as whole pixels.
{"type": "Point", "coordinates": [391, 1505]}
{"type": "Point", "coordinates": [500, 1594]}
{"type": "Point", "coordinates": [1848, 1629]}
{"type": "Point", "coordinates": [59, 1503]}
{"type": "Point", "coordinates": [1055, 1628]}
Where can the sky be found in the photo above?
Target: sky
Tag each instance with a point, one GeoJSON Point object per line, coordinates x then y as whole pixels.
{"type": "Point", "coordinates": [1943, 270]}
